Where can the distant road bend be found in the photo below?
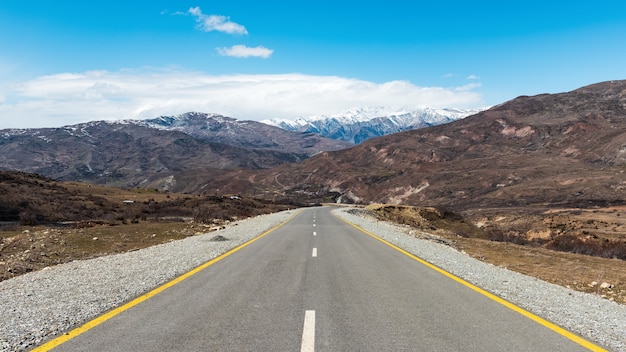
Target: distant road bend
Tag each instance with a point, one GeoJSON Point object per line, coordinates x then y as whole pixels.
{"type": "Point", "coordinates": [316, 283]}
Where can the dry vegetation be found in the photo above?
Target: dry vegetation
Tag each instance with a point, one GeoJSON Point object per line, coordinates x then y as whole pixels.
{"type": "Point", "coordinates": [553, 245]}
{"type": "Point", "coordinates": [44, 222]}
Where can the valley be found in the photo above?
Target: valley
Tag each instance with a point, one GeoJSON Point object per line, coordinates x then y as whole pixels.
{"type": "Point", "coordinates": [313, 176]}
{"type": "Point", "coordinates": [538, 183]}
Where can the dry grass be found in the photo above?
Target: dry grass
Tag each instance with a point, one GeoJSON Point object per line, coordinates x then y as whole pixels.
{"type": "Point", "coordinates": [31, 248]}
{"type": "Point", "coordinates": [575, 271]}
{"type": "Point", "coordinates": [580, 272]}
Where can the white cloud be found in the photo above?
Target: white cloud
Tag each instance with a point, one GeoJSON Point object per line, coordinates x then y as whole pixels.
{"type": "Point", "coordinates": [209, 23]}
{"type": "Point", "coordinates": [69, 98]}
{"type": "Point", "coordinates": [473, 77]}
{"type": "Point", "coordinates": [245, 51]}
{"type": "Point", "coordinates": [467, 87]}
{"type": "Point", "coordinates": [449, 75]}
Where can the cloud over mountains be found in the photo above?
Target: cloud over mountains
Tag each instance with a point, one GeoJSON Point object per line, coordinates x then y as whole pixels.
{"type": "Point", "coordinates": [68, 98]}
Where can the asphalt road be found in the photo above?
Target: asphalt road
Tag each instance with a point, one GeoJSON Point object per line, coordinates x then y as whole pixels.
{"type": "Point", "coordinates": [317, 283]}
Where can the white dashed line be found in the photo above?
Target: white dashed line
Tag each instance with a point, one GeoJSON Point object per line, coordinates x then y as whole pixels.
{"type": "Point", "coordinates": [308, 332]}
{"type": "Point", "coordinates": [314, 252]}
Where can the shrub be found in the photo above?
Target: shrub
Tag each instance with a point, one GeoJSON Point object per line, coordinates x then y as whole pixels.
{"type": "Point", "coordinates": [589, 246]}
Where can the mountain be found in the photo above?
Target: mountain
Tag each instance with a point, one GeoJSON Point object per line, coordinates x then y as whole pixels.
{"type": "Point", "coordinates": [152, 153]}
{"type": "Point", "coordinates": [566, 149]}
{"type": "Point", "coordinates": [245, 134]}
{"type": "Point", "coordinates": [358, 125]}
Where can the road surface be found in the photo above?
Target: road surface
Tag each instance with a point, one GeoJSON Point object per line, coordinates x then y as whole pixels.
{"type": "Point", "coordinates": [319, 284]}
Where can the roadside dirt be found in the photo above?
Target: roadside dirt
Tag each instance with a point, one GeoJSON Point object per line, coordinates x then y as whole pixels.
{"type": "Point", "coordinates": [31, 248]}
{"type": "Point", "coordinates": [44, 222]}
{"type": "Point", "coordinates": [519, 241]}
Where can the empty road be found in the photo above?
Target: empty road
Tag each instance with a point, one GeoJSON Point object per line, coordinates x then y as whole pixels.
{"type": "Point", "coordinates": [319, 284]}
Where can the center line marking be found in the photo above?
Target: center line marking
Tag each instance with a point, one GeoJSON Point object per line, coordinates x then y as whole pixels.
{"type": "Point", "coordinates": [314, 233]}
{"type": "Point", "coordinates": [308, 332]}
{"type": "Point", "coordinates": [314, 252]}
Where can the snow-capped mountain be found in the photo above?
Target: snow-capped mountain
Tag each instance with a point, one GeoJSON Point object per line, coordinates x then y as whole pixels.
{"type": "Point", "coordinates": [360, 124]}
{"type": "Point", "coordinates": [156, 152]}
{"type": "Point", "coordinates": [247, 134]}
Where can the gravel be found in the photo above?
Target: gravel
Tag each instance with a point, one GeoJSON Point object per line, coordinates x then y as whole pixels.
{"type": "Point", "coordinates": [37, 306]}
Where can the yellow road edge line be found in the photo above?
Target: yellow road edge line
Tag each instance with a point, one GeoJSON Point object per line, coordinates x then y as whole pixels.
{"type": "Point", "coordinates": [110, 314]}
{"type": "Point", "coordinates": [559, 330]}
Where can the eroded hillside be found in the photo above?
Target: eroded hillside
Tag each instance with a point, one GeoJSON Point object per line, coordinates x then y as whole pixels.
{"type": "Point", "coordinates": [563, 150]}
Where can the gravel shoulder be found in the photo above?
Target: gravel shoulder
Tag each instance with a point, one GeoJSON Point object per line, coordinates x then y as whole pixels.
{"type": "Point", "coordinates": [37, 306]}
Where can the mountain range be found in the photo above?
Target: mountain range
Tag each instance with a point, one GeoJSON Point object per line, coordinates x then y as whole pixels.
{"type": "Point", "coordinates": [147, 153]}
{"type": "Point", "coordinates": [220, 129]}
{"type": "Point", "coordinates": [360, 124]}
{"type": "Point", "coordinates": [566, 149]}
{"type": "Point", "coordinates": [143, 153]}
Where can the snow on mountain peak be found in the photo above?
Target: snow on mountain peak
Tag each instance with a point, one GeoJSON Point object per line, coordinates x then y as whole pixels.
{"type": "Point", "coordinates": [359, 124]}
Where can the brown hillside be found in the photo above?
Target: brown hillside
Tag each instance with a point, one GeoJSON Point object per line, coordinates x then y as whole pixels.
{"type": "Point", "coordinates": [564, 149]}
{"type": "Point", "coordinates": [156, 153]}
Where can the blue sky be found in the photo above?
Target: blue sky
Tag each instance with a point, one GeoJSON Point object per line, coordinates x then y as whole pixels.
{"type": "Point", "coordinates": [64, 62]}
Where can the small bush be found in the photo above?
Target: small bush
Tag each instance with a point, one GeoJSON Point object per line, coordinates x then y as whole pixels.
{"type": "Point", "coordinates": [589, 246]}
{"type": "Point", "coordinates": [511, 237]}
{"type": "Point", "coordinates": [28, 219]}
